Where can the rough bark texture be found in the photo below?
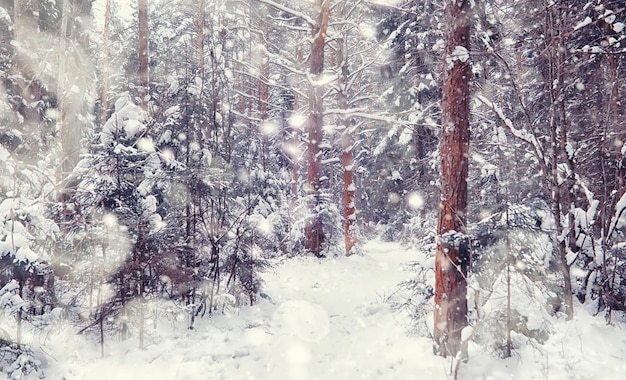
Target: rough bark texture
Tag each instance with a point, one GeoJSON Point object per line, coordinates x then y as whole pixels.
{"type": "Point", "coordinates": [313, 230]}
{"type": "Point", "coordinates": [143, 52]}
{"type": "Point", "coordinates": [452, 257]}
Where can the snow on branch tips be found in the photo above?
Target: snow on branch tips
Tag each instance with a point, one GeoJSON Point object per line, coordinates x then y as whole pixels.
{"type": "Point", "coordinates": [518, 133]}
{"type": "Point", "coordinates": [291, 11]}
{"type": "Point", "coordinates": [459, 53]}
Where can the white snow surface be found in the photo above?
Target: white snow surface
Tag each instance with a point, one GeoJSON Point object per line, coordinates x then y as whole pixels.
{"type": "Point", "coordinates": [326, 319]}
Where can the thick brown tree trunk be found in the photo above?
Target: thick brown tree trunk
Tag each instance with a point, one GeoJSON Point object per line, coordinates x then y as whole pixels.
{"type": "Point", "coordinates": [452, 257]}
{"type": "Point", "coordinates": [143, 52]}
{"type": "Point", "coordinates": [313, 229]}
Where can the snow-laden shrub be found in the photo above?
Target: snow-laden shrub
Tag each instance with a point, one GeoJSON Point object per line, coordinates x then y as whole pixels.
{"type": "Point", "coordinates": [513, 272]}
{"type": "Point", "coordinates": [16, 361]}
{"type": "Point", "coordinates": [413, 298]}
{"type": "Point", "coordinates": [332, 223]}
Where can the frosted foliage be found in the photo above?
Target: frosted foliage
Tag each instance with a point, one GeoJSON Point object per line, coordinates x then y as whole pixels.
{"type": "Point", "coordinates": [459, 53]}
{"type": "Point", "coordinates": [406, 136]}
{"type": "Point", "coordinates": [619, 220]}
{"type": "Point", "coordinates": [393, 3]}
{"type": "Point", "coordinates": [149, 204]}
{"type": "Point", "coordinates": [583, 23]}
{"type": "Point", "coordinates": [26, 255]}
{"type": "Point", "coordinates": [126, 122]}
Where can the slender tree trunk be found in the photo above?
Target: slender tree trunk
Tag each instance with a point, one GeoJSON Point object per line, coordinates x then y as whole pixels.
{"type": "Point", "coordinates": [104, 97]}
{"type": "Point", "coordinates": [452, 257]}
{"type": "Point", "coordinates": [61, 94]}
{"type": "Point", "coordinates": [143, 53]}
{"type": "Point", "coordinates": [314, 231]}
{"type": "Point", "coordinates": [349, 210]}
{"type": "Point", "coordinates": [264, 93]}
{"type": "Point", "coordinates": [17, 18]}
{"type": "Point", "coordinates": [561, 198]}
{"type": "Point", "coordinates": [73, 80]}
{"type": "Point", "coordinates": [295, 170]}
{"type": "Point", "coordinates": [200, 27]}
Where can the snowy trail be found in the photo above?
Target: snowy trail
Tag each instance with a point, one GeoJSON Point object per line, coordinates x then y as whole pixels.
{"type": "Point", "coordinates": [331, 321]}
{"type": "Point", "coordinates": [327, 320]}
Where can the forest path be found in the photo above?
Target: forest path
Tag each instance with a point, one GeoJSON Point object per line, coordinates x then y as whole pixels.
{"type": "Point", "coordinates": [332, 322]}
{"type": "Point", "coordinates": [327, 320]}
{"type": "Point", "coordinates": [324, 319]}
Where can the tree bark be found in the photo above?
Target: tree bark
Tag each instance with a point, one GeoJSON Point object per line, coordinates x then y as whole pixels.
{"type": "Point", "coordinates": [143, 52]}
{"type": "Point", "coordinates": [200, 27]}
{"type": "Point", "coordinates": [105, 64]}
{"type": "Point", "coordinates": [264, 91]}
{"type": "Point", "coordinates": [349, 210]}
{"type": "Point", "coordinates": [452, 257]}
{"type": "Point", "coordinates": [313, 230]}
{"type": "Point", "coordinates": [561, 192]}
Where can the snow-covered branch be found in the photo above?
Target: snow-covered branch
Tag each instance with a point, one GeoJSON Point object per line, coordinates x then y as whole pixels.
{"type": "Point", "coordinates": [291, 11]}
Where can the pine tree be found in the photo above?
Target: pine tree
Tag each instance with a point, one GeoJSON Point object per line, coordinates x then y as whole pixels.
{"type": "Point", "coordinates": [452, 258]}
{"type": "Point", "coordinates": [314, 225]}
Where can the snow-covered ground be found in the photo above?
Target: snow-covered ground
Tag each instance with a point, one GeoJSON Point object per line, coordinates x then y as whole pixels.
{"type": "Point", "coordinates": [327, 319]}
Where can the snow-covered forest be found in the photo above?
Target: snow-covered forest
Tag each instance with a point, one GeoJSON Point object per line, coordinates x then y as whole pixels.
{"type": "Point", "coordinates": [312, 189]}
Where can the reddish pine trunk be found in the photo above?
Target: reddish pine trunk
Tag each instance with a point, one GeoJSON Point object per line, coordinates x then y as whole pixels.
{"type": "Point", "coordinates": [313, 230]}
{"type": "Point", "coordinates": [143, 52]}
{"type": "Point", "coordinates": [296, 155]}
{"type": "Point", "coordinates": [349, 211]}
{"type": "Point", "coordinates": [452, 256]}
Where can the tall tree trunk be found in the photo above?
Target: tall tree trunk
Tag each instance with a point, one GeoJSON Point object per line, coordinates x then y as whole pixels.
{"type": "Point", "coordinates": [143, 52]}
{"type": "Point", "coordinates": [452, 257]}
{"type": "Point", "coordinates": [74, 80]}
{"type": "Point", "coordinates": [105, 64]}
{"type": "Point", "coordinates": [264, 93]}
{"type": "Point", "coordinates": [561, 192]}
{"type": "Point", "coordinates": [200, 42]}
{"type": "Point", "coordinates": [295, 169]}
{"type": "Point", "coordinates": [349, 210]}
{"type": "Point", "coordinates": [314, 230]}
{"type": "Point", "coordinates": [61, 92]}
